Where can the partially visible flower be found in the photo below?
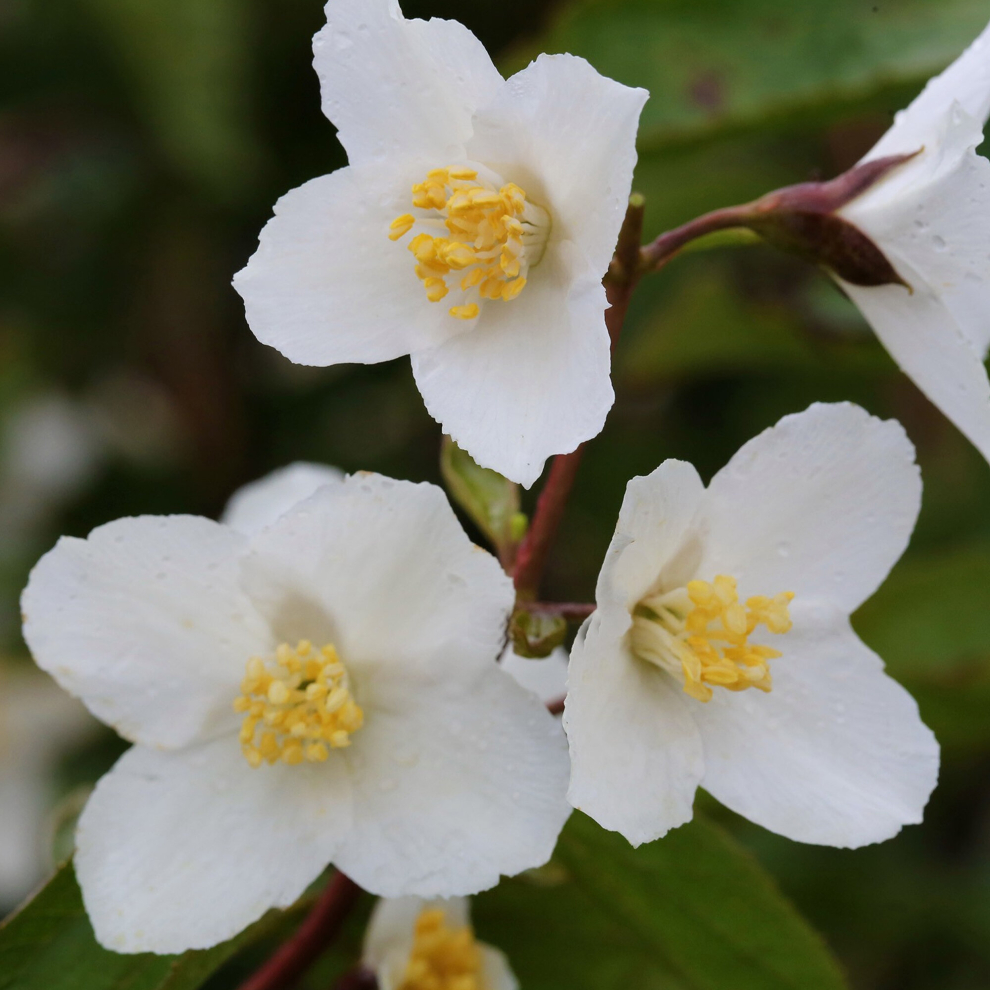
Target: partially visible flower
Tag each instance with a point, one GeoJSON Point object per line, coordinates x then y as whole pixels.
{"type": "Point", "coordinates": [321, 688]}
{"type": "Point", "coordinates": [721, 653]}
{"type": "Point", "coordinates": [930, 216]}
{"type": "Point", "coordinates": [260, 503]}
{"type": "Point", "coordinates": [471, 230]}
{"type": "Point", "coordinates": [414, 944]}
{"type": "Point", "coordinates": [39, 725]}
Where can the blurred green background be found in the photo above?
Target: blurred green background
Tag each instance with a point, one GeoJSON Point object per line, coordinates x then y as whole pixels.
{"type": "Point", "coordinates": [142, 146]}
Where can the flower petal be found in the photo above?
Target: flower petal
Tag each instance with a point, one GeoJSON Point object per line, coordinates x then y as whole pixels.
{"type": "Point", "coordinates": [924, 338]}
{"type": "Point", "coordinates": [567, 135]}
{"type": "Point", "coordinates": [930, 217]}
{"type": "Point", "coordinates": [457, 778]}
{"type": "Point", "coordinates": [835, 754]}
{"type": "Point", "coordinates": [182, 850]}
{"type": "Point", "coordinates": [546, 678]}
{"type": "Point", "coordinates": [822, 504]}
{"type": "Point", "coordinates": [326, 285]}
{"type": "Point", "coordinates": [146, 622]}
{"type": "Point", "coordinates": [966, 82]}
{"type": "Point", "coordinates": [497, 973]}
{"type": "Point", "coordinates": [396, 87]}
{"type": "Point", "coordinates": [259, 503]}
{"type": "Point", "coordinates": [384, 570]}
{"type": "Point", "coordinates": [531, 378]}
{"type": "Point", "coordinates": [636, 756]}
{"type": "Point", "coordinates": [652, 537]}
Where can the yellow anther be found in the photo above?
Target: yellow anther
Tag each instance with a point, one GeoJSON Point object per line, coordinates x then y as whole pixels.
{"type": "Point", "coordinates": [512, 289]}
{"type": "Point", "coordinates": [493, 235]}
{"type": "Point", "coordinates": [436, 289]}
{"type": "Point", "coordinates": [701, 633]}
{"type": "Point", "coordinates": [442, 958]}
{"type": "Point", "coordinates": [401, 226]}
{"type": "Point", "coordinates": [301, 701]}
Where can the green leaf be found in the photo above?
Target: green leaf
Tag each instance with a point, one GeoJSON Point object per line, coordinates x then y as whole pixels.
{"type": "Point", "coordinates": [49, 945]}
{"type": "Point", "coordinates": [931, 625]}
{"type": "Point", "coordinates": [725, 65]}
{"type": "Point", "coordinates": [490, 500]}
{"type": "Point", "coordinates": [692, 911]}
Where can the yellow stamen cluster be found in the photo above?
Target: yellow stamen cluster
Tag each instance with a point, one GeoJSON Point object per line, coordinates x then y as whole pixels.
{"type": "Point", "coordinates": [489, 236]}
{"type": "Point", "coordinates": [297, 706]}
{"type": "Point", "coordinates": [702, 632]}
{"type": "Point", "coordinates": [442, 958]}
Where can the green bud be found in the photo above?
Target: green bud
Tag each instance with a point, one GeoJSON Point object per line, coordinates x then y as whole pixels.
{"type": "Point", "coordinates": [490, 500]}
{"type": "Point", "coordinates": [535, 635]}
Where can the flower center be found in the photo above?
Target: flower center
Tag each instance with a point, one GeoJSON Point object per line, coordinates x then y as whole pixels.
{"type": "Point", "coordinates": [482, 238]}
{"type": "Point", "coordinates": [296, 706]}
{"type": "Point", "coordinates": [702, 632]}
{"type": "Point", "coordinates": [442, 958]}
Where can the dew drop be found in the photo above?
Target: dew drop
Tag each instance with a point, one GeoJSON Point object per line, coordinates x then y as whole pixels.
{"type": "Point", "coordinates": [939, 243]}
{"type": "Point", "coordinates": [783, 549]}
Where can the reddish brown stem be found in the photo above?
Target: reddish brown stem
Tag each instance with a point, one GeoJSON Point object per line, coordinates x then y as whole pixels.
{"type": "Point", "coordinates": [656, 254]}
{"type": "Point", "coordinates": [619, 282]}
{"type": "Point", "coordinates": [311, 939]}
{"type": "Point", "coordinates": [557, 706]}
{"type": "Point", "coordinates": [572, 611]}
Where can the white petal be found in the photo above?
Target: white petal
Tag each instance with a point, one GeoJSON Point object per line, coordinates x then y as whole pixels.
{"type": "Point", "coordinates": [567, 135]}
{"type": "Point", "coordinates": [531, 377]}
{"type": "Point", "coordinates": [966, 82]}
{"type": "Point", "coordinates": [931, 217]}
{"type": "Point", "coordinates": [327, 286]}
{"type": "Point", "coordinates": [146, 622]}
{"type": "Point", "coordinates": [546, 677]}
{"type": "Point", "coordinates": [652, 537]}
{"type": "Point", "coordinates": [924, 338]}
{"type": "Point", "coordinates": [259, 503]}
{"type": "Point", "coordinates": [495, 968]}
{"type": "Point", "coordinates": [182, 850]}
{"type": "Point", "coordinates": [822, 504]}
{"type": "Point", "coordinates": [636, 756]}
{"type": "Point", "coordinates": [835, 754]}
{"type": "Point", "coordinates": [394, 86]}
{"type": "Point", "coordinates": [384, 570]}
{"type": "Point", "coordinates": [457, 778]}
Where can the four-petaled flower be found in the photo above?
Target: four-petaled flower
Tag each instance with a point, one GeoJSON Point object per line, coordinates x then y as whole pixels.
{"type": "Point", "coordinates": [508, 194]}
{"type": "Point", "coordinates": [930, 217]}
{"type": "Point", "coordinates": [323, 688]}
{"type": "Point", "coordinates": [412, 944]}
{"type": "Point", "coordinates": [721, 653]}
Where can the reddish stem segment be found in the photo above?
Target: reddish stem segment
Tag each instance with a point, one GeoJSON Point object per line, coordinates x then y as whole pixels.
{"type": "Point", "coordinates": [571, 611]}
{"type": "Point", "coordinates": [619, 282]}
{"type": "Point", "coordinates": [656, 254]}
{"type": "Point", "coordinates": [313, 936]}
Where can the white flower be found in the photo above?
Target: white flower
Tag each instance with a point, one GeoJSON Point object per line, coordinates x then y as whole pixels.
{"type": "Point", "coordinates": [802, 525]}
{"type": "Point", "coordinates": [322, 689]}
{"type": "Point", "coordinates": [509, 193]}
{"type": "Point", "coordinates": [413, 944]}
{"type": "Point", "coordinates": [39, 724]}
{"type": "Point", "coordinates": [931, 218]}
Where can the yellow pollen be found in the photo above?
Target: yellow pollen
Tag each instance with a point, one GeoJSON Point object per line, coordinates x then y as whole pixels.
{"type": "Point", "coordinates": [701, 632]}
{"type": "Point", "coordinates": [297, 706]}
{"type": "Point", "coordinates": [442, 958]}
{"type": "Point", "coordinates": [492, 235]}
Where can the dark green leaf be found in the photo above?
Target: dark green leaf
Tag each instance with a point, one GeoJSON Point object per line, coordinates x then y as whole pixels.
{"type": "Point", "coordinates": [724, 65]}
{"type": "Point", "coordinates": [692, 911]}
{"type": "Point", "coordinates": [49, 945]}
